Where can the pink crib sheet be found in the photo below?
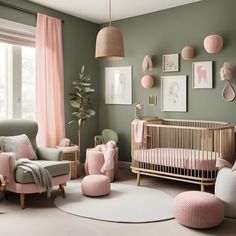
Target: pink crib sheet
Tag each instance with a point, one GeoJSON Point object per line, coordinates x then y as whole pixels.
{"type": "Point", "coordinates": [179, 158]}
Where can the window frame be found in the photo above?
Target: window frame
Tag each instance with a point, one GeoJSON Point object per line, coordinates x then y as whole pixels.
{"type": "Point", "coordinates": [17, 35]}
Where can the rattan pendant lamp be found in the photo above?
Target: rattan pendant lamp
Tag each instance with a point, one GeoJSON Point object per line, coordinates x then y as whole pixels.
{"type": "Point", "coordinates": [109, 43]}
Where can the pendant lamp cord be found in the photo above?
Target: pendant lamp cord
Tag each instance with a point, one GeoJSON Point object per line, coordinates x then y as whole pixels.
{"type": "Point", "coordinates": [109, 12]}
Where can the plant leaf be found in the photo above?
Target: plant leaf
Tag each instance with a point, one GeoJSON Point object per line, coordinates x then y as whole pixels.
{"type": "Point", "coordinates": [88, 90]}
{"type": "Point", "coordinates": [85, 78]}
{"type": "Point", "coordinates": [76, 82]}
{"type": "Point", "coordinates": [72, 121]}
{"type": "Point", "coordinates": [82, 69]}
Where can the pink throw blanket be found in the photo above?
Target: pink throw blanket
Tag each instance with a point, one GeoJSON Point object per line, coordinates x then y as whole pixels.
{"type": "Point", "coordinates": [140, 131]}
{"type": "Point", "coordinates": [108, 151]}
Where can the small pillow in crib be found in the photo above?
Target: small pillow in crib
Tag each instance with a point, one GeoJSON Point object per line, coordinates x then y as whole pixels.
{"type": "Point", "coordinates": [19, 144]}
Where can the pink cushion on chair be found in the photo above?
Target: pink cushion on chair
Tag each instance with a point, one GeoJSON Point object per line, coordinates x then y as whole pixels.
{"type": "Point", "coordinates": [95, 185]}
{"type": "Point", "coordinates": [198, 209]}
{"type": "Point", "coordinates": [19, 144]}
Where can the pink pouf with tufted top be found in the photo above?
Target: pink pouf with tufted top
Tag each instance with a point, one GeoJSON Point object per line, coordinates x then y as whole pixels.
{"type": "Point", "coordinates": [95, 185]}
{"type": "Point", "coordinates": [199, 210]}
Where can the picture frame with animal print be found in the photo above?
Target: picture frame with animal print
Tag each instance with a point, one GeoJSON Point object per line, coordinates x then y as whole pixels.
{"type": "Point", "coordinates": [170, 62]}
{"type": "Point", "coordinates": [202, 75]}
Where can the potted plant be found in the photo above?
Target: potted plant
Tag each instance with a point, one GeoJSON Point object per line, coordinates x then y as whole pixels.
{"type": "Point", "coordinates": [80, 100]}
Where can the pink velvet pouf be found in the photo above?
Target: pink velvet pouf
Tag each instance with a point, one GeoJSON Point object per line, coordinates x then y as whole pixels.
{"type": "Point", "coordinates": [198, 210]}
{"type": "Point", "coordinates": [95, 185]}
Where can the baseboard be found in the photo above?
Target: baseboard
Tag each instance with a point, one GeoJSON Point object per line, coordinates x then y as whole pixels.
{"type": "Point", "coordinates": [124, 164]}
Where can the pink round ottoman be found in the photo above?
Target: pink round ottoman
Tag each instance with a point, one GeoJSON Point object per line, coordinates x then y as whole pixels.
{"type": "Point", "coordinates": [199, 210]}
{"type": "Point", "coordinates": [95, 185]}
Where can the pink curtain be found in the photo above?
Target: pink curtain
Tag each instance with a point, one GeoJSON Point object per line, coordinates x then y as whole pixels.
{"type": "Point", "coordinates": [49, 81]}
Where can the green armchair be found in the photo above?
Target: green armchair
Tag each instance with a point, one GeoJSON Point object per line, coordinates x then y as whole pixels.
{"type": "Point", "coordinates": [17, 179]}
{"type": "Point", "coordinates": [107, 135]}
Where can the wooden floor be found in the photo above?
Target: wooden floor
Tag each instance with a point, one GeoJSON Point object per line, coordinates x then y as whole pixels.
{"type": "Point", "coordinates": [41, 217]}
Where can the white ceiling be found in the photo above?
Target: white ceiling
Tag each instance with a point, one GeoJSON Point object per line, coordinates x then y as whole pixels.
{"type": "Point", "coordinates": [97, 11]}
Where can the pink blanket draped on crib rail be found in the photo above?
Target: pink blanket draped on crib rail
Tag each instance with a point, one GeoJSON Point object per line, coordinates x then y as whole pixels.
{"type": "Point", "coordinates": [140, 131]}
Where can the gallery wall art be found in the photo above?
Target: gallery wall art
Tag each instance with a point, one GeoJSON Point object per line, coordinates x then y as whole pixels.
{"type": "Point", "coordinates": [174, 93]}
{"type": "Point", "coordinates": [202, 74]}
{"type": "Point", "coordinates": [118, 85]}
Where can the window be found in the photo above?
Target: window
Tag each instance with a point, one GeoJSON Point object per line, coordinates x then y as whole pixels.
{"type": "Point", "coordinates": [28, 83]}
{"type": "Point", "coordinates": [17, 73]}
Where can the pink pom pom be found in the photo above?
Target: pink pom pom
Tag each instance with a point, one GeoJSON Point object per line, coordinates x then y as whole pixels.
{"type": "Point", "coordinates": [187, 52]}
{"type": "Point", "coordinates": [213, 43]}
{"type": "Point", "coordinates": [147, 81]}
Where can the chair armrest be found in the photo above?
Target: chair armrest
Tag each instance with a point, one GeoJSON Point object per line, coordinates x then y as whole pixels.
{"type": "Point", "coordinates": [7, 165]}
{"type": "Point", "coordinates": [98, 139]}
{"type": "Point", "coordinates": [49, 154]}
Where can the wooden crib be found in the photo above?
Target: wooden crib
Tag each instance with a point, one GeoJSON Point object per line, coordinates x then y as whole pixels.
{"type": "Point", "coordinates": [184, 150]}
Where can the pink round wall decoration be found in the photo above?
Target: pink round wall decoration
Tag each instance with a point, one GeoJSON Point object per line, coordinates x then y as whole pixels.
{"type": "Point", "coordinates": [147, 81]}
{"type": "Point", "coordinates": [187, 52]}
{"type": "Point", "coordinates": [213, 43]}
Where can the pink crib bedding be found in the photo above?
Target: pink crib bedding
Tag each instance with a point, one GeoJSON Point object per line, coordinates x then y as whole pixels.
{"type": "Point", "coordinates": [179, 158]}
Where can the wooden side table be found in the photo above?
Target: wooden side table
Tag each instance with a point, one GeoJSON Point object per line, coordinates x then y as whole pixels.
{"type": "Point", "coordinates": [2, 187]}
{"type": "Point", "coordinates": [72, 154]}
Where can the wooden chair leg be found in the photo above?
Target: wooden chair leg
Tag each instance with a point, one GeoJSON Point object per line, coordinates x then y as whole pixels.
{"type": "Point", "coordinates": [22, 201]}
{"type": "Point", "coordinates": [61, 186]}
{"type": "Point", "coordinates": [2, 193]}
{"type": "Point", "coordinates": [2, 187]}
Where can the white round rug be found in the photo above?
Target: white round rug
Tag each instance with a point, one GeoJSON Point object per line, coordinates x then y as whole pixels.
{"type": "Point", "coordinates": [125, 203]}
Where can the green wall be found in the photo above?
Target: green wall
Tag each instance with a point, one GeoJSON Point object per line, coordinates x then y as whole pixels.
{"type": "Point", "coordinates": [165, 32]}
{"type": "Point", "coordinates": [78, 46]}
{"type": "Point", "coordinates": [158, 33]}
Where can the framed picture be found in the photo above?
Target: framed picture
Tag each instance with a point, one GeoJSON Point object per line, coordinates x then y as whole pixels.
{"type": "Point", "coordinates": [118, 85]}
{"type": "Point", "coordinates": [170, 62]}
{"type": "Point", "coordinates": [174, 93]}
{"type": "Point", "coordinates": [202, 74]}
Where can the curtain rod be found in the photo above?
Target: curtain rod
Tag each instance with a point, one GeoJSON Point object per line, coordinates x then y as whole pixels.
{"type": "Point", "coordinates": [20, 9]}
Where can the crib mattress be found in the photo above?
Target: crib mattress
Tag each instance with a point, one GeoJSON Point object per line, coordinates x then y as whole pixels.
{"type": "Point", "coordinates": [178, 158]}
